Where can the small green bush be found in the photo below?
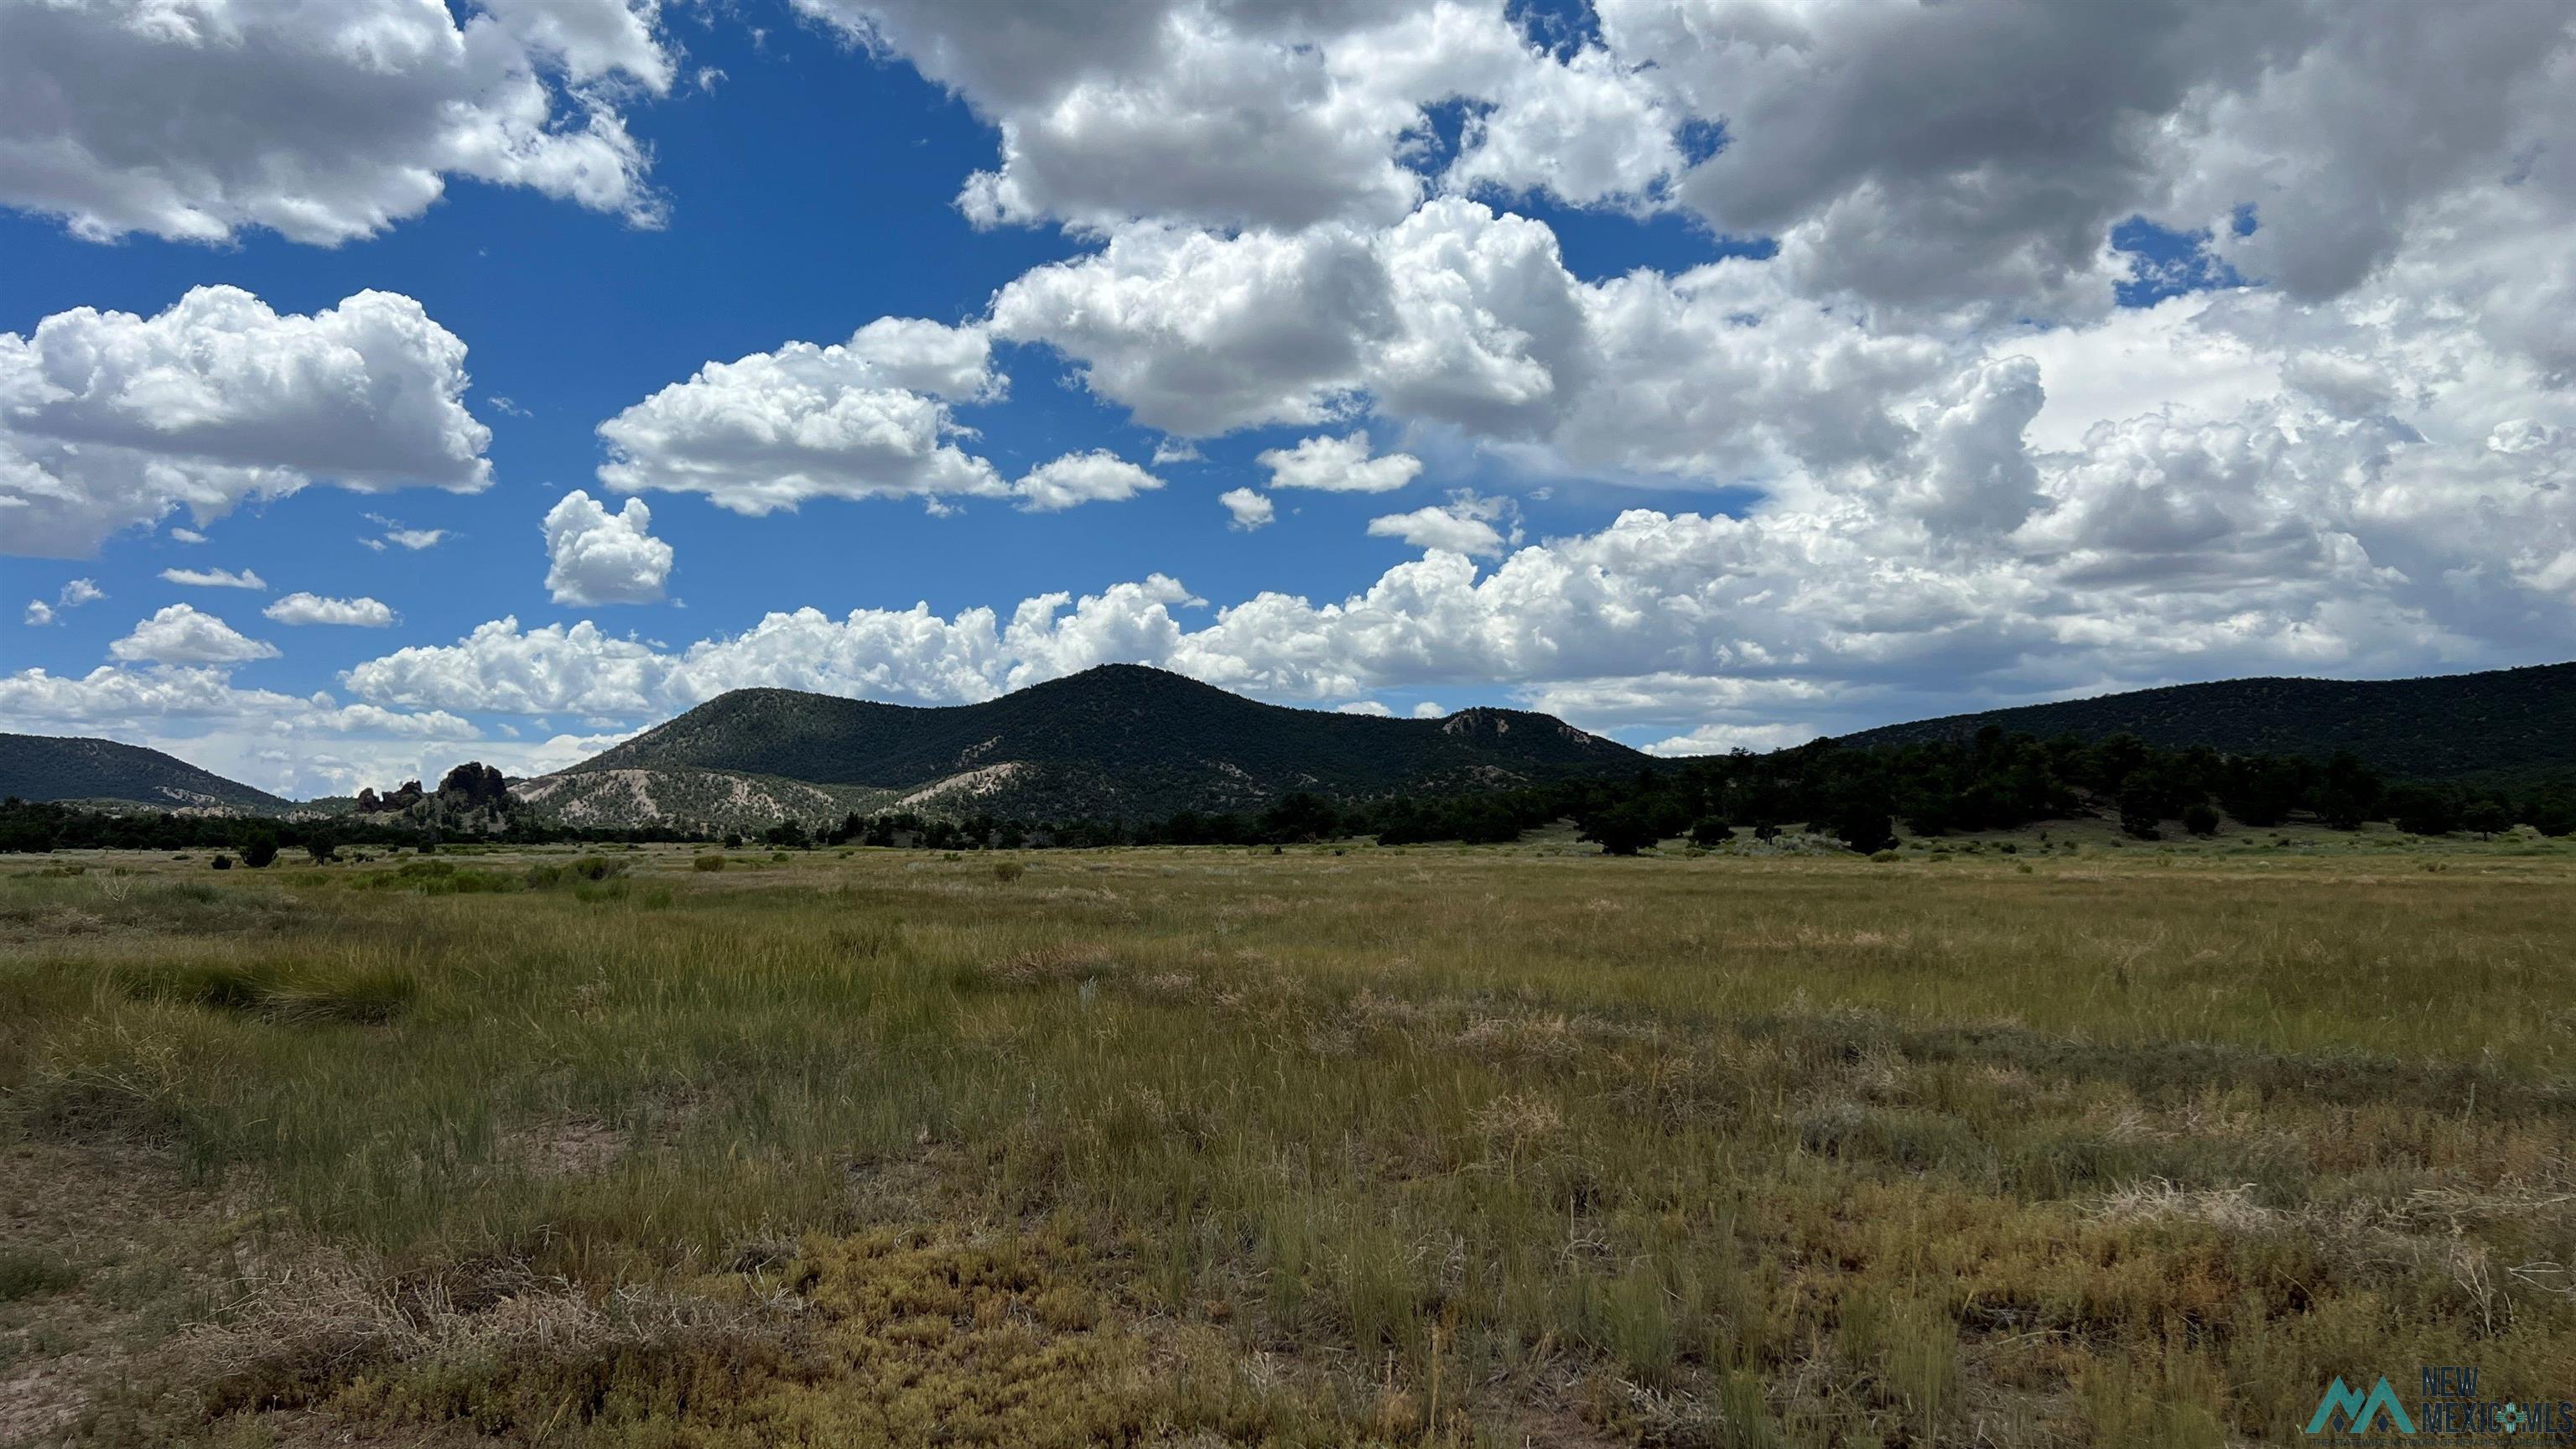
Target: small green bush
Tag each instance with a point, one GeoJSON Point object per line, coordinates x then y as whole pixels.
{"type": "Point", "coordinates": [32, 1272]}
{"type": "Point", "coordinates": [708, 862]}
{"type": "Point", "coordinates": [587, 869]}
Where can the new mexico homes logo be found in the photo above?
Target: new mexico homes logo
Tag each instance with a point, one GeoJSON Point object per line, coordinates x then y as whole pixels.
{"type": "Point", "coordinates": [2450, 1408]}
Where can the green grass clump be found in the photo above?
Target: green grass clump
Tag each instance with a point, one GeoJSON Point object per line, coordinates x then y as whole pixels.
{"type": "Point", "coordinates": [282, 991]}
{"type": "Point", "coordinates": [572, 874]}
{"type": "Point", "coordinates": [32, 1271]}
{"type": "Point", "coordinates": [434, 878]}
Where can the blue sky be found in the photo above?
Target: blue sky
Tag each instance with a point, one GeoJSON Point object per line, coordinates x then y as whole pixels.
{"type": "Point", "coordinates": [1740, 405]}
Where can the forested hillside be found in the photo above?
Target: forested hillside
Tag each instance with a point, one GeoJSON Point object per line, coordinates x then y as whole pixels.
{"type": "Point", "coordinates": [1115, 742]}
{"type": "Point", "coordinates": [2504, 727]}
{"type": "Point", "coordinates": [48, 767]}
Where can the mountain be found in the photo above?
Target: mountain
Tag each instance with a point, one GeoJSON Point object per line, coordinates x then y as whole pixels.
{"type": "Point", "coordinates": [1118, 741]}
{"type": "Point", "coordinates": [2502, 727]}
{"type": "Point", "coordinates": [47, 767]}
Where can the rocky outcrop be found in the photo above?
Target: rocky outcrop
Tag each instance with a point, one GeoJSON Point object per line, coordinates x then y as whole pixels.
{"type": "Point", "coordinates": [474, 786]}
{"type": "Point", "coordinates": [393, 802]}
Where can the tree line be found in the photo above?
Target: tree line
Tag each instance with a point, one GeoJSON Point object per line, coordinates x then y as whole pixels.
{"type": "Point", "coordinates": [27, 825]}
{"type": "Point", "coordinates": [1992, 781]}
{"type": "Point", "coordinates": [1860, 797]}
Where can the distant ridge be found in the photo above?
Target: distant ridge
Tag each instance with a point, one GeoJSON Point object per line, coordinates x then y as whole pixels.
{"type": "Point", "coordinates": [51, 767]}
{"type": "Point", "coordinates": [1128, 742]}
{"type": "Point", "coordinates": [2500, 726]}
{"type": "Point", "coordinates": [1120, 741]}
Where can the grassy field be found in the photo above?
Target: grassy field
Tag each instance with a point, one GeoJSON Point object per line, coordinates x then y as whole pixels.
{"type": "Point", "coordinates": [2066, 1143]}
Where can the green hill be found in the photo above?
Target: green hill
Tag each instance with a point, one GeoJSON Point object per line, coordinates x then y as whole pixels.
{"type": "Point", "coordinates": [2504, 727]}
{"type": "Point", "coordinates": [1118, 741]}
{"type": "Point", "coordinates": [103, 772]}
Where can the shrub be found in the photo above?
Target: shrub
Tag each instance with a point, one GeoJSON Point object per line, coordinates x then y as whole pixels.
{"type": "Point", "coordinates": [2553, 816]}
{"type": "Point", "coordinates": [2487, 817]}
{"type": "Point", "coordinates": [2139, 815]}
{"type": "Point", "coordinates": [1622, 829]}
{"type": "Point", "coordinates": [223, 862]}
{"type": "Point", "coordinates": [1712, 831]}
{"type": "Point", "coordinates": [30, 1272]}
{"type": "Point", "coordinates": [2420, 810]}
{"type": "Point", "coordinates": [2200, 820]}
{"type": "Point", "coordinates": [1007, 871]}
{"type": "Point", "coordinates": [708, 862]}
{"type": "Point", "coordinates": [1865, 826]}
{"type": "Point", "coordinates": [260, 853]}
{"type": "Point", "coordinates": [574, 872]}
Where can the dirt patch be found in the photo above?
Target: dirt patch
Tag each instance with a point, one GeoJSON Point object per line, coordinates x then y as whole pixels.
{"type": "Point", "coordinates": [575, 1146]}
{"type": "Point", "coordinates": [1050, 966]}
{"type": "Point", "coordinates": [127, 1250]}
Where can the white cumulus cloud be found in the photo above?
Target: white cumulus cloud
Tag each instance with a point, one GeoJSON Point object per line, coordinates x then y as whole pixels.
{"type": "Point", "coordinates": [867, 418]}
{"type": "Point", "coordinates": [214, 578]}
{"type": "Point", "coordinates": [1721, 739]}
{"type": "Point", "coordinates": [1246, 510]}
{"type": "Point", "coordinates": [179, 634]}
{"type": "Point", "coordinates": [1098, 476]}
{"type": "Point", "coordinates": [108, 420]}
{"type": "Point", "coordinates": [1339, 465]}
{"type": "Point", "coordinates": [594, 556]}
{"type": "Point", "coordinates": [1269, 116]}
{"type": "Point", "coordinates": [1465, 524]}
{"type": "Point", "coordinates": [303, 608]}
{"type": "Point", "coordinates": [395, 534]}
{"type": "Point", "coordinates": [74, 594]}
{"type": "Point", "coordinates": [296, 746]}
{"type": "Point", "coordinates": [196, 120]}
